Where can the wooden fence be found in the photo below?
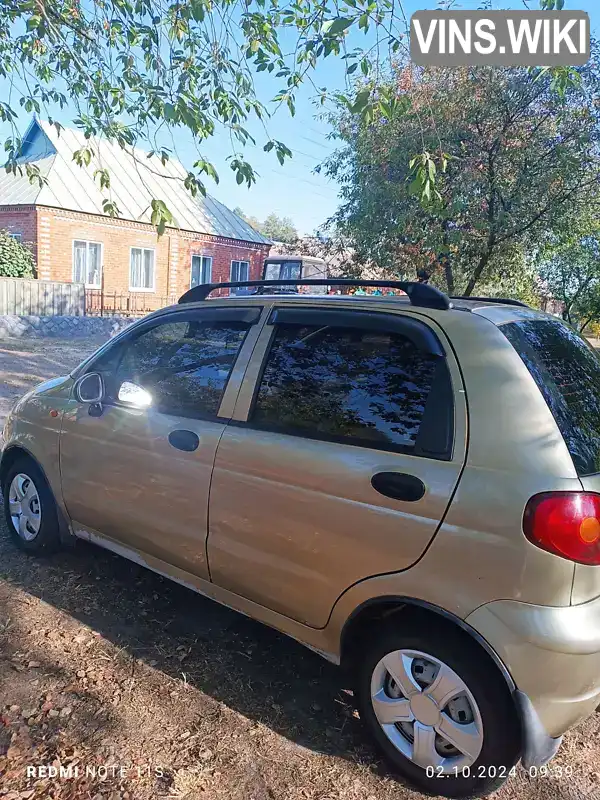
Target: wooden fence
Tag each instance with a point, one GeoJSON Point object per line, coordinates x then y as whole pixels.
{"type": "Point", "coordinates": [41, 298]}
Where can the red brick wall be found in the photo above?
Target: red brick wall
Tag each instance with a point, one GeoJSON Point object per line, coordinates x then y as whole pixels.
{"type": "Point", "coordinates": [20, 219]}
{"type": "Point", "coordinates": [222, 252]}
{"type": "Point", "coordinates": [57, 229]}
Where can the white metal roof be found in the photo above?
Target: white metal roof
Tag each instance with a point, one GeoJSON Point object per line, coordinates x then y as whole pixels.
{"type": "Point", "coordinates": [135, 180]}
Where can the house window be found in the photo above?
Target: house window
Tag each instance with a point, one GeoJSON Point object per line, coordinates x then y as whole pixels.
{"type": "Point", "coordinates": [240, 271]}
{"type": "Point", "coordinates": [87, 263]}
{"type": "Point", "coordinates": [201, 270]}
{"type": "Point", "coordinates": [141, 270]}
{"type": "Point", "coordinates": [17, 236]}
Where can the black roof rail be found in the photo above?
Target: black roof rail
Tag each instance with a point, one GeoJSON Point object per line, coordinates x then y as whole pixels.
{"type": "Point", "coordinates": [507, 301]}
{"type": "Point", "coordinates": [419, 294]}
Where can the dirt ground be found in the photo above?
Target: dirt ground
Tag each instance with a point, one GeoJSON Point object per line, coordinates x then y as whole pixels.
{"type": "Point", "coordinates": [147, 690]}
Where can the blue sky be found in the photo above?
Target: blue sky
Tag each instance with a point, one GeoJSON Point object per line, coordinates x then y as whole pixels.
{"type": "Point", "coordinates": [294, 189]}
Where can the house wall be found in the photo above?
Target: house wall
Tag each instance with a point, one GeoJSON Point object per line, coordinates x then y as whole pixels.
{"type": "Point", "coordinates": [55, 230]}
{"type": "Point", "coordinates": [23, 220]}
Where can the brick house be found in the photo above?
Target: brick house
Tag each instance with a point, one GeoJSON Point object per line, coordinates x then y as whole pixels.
{"type": "Point", "coordinates": [122, 261]}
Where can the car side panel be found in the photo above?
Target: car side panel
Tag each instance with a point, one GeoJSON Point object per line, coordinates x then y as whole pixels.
{"type": "Point", "coordinates": [122, 477]}
{"type": "Point", "coordinates": [294, 522]}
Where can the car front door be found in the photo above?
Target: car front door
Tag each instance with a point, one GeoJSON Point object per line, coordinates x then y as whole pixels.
{"type": "Point", "coordinates": [140, 477]}
{"type": "Point", "coordinates": [345, 446]}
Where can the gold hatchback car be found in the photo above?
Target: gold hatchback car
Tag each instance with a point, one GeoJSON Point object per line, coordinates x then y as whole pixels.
{"type": "Point", "coordinates": [409, 486]}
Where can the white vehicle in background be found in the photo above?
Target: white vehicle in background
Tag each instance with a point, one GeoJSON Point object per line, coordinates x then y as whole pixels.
{"type": "Point", "coordinates": [290, 268]}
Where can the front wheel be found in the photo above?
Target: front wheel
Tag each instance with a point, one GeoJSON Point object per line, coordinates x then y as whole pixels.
{"type": "Point", "coordinates": [439, 710]}
{"type": "Point", "coordinates": [30, 508]}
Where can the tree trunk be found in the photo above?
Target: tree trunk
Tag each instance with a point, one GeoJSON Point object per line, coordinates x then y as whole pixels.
{"type": "Point", "coordinates": [485, 257]}
{"type": "Point", "coordinates": [491, 239]}
{"type": "Point", "coordinates": [449, 273]}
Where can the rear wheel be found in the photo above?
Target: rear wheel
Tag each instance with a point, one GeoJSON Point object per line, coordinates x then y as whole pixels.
{"type": "Point", "coordinates": [439, 711]}
{"type": "Point", "coordinates": [30, 509]}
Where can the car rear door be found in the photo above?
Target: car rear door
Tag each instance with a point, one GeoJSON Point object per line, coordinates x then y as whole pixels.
{"type": "Point", "coordinates": [341, 458]}
{"type": "Point", "coordinates": [140, 477]}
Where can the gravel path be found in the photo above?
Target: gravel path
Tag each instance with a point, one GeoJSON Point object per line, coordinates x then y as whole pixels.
{"type": "Point", "coordinates": [148, 690]}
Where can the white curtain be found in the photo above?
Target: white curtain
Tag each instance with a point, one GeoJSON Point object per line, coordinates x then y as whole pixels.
{"type": "Point", "coordinates": [93, 264]}
{"type": "Point", "coordinates": [135, 275]}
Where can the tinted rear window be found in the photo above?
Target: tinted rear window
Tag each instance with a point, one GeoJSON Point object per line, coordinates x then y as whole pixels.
{"type": "Point", "coordinates": [567, 371]}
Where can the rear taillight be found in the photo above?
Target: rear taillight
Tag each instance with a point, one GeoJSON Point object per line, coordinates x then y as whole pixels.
{"type": "Point", "coordinates": [565, 523]}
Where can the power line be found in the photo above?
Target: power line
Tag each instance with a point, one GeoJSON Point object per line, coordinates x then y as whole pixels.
{"type": "Point", "coordinates": [308, 155]}
{"type": "Point", "coordinates": [318, 144]}
{"type": "Point", "coordinates": [303, 180]}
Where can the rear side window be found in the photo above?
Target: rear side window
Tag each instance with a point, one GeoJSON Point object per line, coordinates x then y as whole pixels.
{"type": "Point", "coordinates": [567, 371]}
{"type": "Point", "coordinates": [351, 385]}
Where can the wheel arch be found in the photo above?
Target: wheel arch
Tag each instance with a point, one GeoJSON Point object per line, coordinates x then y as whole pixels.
{"type": "Point", "coordinates": [378, 610]}
{"type": "Point", "coordinates": [10, 455]}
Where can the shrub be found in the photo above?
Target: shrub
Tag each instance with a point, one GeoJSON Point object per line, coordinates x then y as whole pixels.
{"type": "Point", "coordinates": [16, 259]}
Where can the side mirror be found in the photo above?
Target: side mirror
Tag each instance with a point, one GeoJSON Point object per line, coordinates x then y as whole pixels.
{"type": "Point", "coordinates": [90, 388]}
{"type": "Point", "coordinates": [134, 395]}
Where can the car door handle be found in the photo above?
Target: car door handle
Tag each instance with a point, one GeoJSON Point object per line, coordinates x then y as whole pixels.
{"type": "Point", "coordinates": [399, 485]}
{"type": "Point", "coordinates": [184, 440]}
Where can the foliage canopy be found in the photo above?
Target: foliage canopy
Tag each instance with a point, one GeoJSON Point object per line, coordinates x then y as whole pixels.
{"type": "Point", "coordinates": [513, 159]}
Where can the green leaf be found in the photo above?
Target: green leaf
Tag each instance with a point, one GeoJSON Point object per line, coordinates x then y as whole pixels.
{"type": "Point", "coordinates": [110, 208]}
{"type": "Point", "coordinates": [360, 101]}
{"type": "Point", "coordinates": [205, 166]}
{"type": "Point", "coordinates": [170, 112]}
{"type": "Point", "coordinates": [160, 216]}
{"type": "Point", "coordinates": [336, 26]}
{"type": "Point", "coordinates": [103, 177]}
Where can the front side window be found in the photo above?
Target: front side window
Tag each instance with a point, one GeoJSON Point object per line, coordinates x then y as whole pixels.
{"type": "Point", "coordinates": [87, 263]}
{"type": "Point", "coordinates": [345, 384]}
{"type": "Point", "coordinates": [141, 272]}
{"type": "Point", "coordinates": [201, 270]}
{"type": "Point", "coordinates": [184, 365]}
{"type": "Point", "coordinates": [240, 271]}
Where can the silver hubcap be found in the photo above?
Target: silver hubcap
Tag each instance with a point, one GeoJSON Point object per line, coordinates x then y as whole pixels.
{"type": "Point", "coordinates": [426, 711]}
{"type": "Point", "coordinates": [24, 507]}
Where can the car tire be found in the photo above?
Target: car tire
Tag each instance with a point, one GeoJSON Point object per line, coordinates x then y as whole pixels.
{"type": "Point", "coordinates": [484, 715]}
{"type": "Point", "coordinates": [30, 509]}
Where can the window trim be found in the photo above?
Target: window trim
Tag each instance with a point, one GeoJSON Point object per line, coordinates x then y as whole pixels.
{"type": "Point", "coordinates": [153, 251]}
{"type": "Point", "coordinates": [200, 255]}
{"type": "Point", "coordinates": [87, 243]}
{"type": "Point", "coordinates": [16, 235]}
{"type": "Point", "coordinates": [442, 387]}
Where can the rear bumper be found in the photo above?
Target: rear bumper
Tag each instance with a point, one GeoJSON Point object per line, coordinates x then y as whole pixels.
{"type": "Point", "coordinates": [552, 655]}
